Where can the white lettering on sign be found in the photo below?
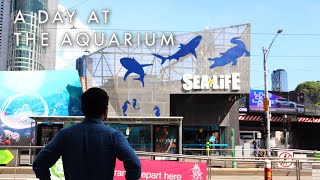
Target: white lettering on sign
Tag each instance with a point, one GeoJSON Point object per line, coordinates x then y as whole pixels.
{"type": "Point", "coordinates": [243, 109]}
{"type": "Point", "coordinates": [204, 82]}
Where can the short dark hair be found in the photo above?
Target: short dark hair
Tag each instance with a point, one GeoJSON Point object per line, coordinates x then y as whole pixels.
{"type": "Point", "coordinates": [94, 102]}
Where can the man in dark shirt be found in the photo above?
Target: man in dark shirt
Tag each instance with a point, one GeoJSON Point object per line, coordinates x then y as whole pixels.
{"type": "Point", "coordinates": [89, 149]}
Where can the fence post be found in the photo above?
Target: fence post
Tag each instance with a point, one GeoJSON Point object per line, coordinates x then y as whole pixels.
{"type": "Point", "coordinates": [233, 154]}
{"type": "Point", "coordinates": [16, 163]}
{"type": "Point", "coordinates": [208, 148]}
{"type": "Point", "coordinates": [298, 169]}
{"type": "Point", "coordinates": [267, 170]}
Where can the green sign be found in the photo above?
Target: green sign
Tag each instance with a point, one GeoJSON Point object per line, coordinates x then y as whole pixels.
{"type": "Point", "coordinates": [5, 156]}
{"type": "Point", "coordinates": [57, 171]}
{"type": "Point", "coordinates": [317, 156]}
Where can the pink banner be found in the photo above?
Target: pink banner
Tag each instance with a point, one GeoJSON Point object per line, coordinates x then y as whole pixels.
{"type": "Point", "coordinates": [171, 170]}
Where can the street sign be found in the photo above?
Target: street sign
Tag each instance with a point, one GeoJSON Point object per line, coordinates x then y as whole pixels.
{"type": "Point", "coordinates": [292, 118]}
{"type": "Point", "coordinates": [285, 156]}
{"type": "Point", "coordinates": [265, 104]}
{"type": "Point", "coordinates": [5, 156]}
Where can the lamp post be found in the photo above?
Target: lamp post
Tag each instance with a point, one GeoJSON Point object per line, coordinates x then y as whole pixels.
{"type": "Point", "coordinates": [266, 99]}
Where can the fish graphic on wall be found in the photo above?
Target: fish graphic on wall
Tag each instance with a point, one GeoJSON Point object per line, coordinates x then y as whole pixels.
{"type": "Point", "coordinates": [134, 104]}
{"type": "Point", "coordinates": [125, 108]}
{"type": "Point", "coordinates": [156, 110]}
{"type": "Point", "coordinates": [185, 49]}
{"type": "Point", "coordinates": [133, 66]}
{"type": "Point", "coordinates": [231, 55]}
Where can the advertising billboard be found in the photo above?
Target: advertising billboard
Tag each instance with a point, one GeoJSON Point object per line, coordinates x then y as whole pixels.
{"type": "Point", "coordinates": [35, 93]}
{"type": "Point", "coordinates": [279, 102]}
{"type": "Point", "coordinates": [166, 139]}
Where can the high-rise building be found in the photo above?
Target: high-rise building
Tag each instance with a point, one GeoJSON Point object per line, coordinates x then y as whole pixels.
{"type": "Point", "coordinates": [279, 80]}
{"type": "Point", "coordinates": [49, 57]}
{"type": "Point", "coordinates": [5, 6]}
{"type": "Point", "coordinates": [31, 55]}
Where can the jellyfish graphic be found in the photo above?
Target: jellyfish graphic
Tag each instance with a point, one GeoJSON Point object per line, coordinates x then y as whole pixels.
{"type": "Point", "coordinates": [17, 109]}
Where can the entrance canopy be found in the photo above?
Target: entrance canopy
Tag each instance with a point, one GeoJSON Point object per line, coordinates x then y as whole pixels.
{"type": "Point", "coordinates": [177, 121]}
{"type": "Point", "coordinates": [115, 119]}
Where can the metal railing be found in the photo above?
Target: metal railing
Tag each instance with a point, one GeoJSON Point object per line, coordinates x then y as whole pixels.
{"type": "Point", "coordinates": [299, 166]}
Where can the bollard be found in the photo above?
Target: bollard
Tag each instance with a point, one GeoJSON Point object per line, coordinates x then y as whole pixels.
{"type": "Point", "coordinates": [267, 170]}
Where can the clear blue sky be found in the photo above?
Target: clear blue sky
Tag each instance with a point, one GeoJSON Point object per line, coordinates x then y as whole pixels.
{"type": "Point", "coordinates": [296, 50]}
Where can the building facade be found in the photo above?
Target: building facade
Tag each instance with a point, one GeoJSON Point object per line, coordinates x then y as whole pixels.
{"type": "Point", "coordinates": [49, 57]}
{"type": "Point", "coordinates": [279, 80]}
{"type": "Point", "coordinates": [30, 55]}
{"type": "Point", "coordinates": [199, 78]}
{"type": "Point", "coordinates": [5, 6]}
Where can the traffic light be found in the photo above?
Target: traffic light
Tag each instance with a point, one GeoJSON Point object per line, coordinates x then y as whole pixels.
{"type": "Point", "coordinates": [287, 124]}
{"type": "Point", "coordinates": [263, 122]}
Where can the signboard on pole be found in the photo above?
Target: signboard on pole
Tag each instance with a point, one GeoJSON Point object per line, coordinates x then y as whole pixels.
{"type": "Point", "coordinates": [285, 159]}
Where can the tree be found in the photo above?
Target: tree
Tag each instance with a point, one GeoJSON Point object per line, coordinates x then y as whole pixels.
{"type": "Point", "coordinates": [311, 89]}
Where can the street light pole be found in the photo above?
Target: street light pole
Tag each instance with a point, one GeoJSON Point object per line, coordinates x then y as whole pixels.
{"type": "Point", "coordinates": [266, 94]}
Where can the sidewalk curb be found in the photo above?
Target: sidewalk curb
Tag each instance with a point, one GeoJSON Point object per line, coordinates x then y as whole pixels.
{"type": "Point", "coordinates": [17, 170]}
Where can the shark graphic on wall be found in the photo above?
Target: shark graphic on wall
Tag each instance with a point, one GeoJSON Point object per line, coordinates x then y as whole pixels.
{"type": "Point", "coordinates": [125, 108]}
{"type": "Point", "coordinates": [156, 110]}
{"type": "Point", "coordinates": [184, 50]}
{"type": "Point", "coordinates": [231, 55]}
{"type": "Point", "coordinates": [133, 66]}
{"type": "Point", "coordinates": [135, 104]}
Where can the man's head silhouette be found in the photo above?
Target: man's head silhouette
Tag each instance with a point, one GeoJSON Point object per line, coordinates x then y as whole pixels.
{"type": "Point", "coordinates": [94, 103]}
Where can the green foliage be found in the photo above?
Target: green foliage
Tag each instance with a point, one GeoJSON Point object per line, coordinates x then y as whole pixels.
{"type": "Point", "coordinates": [311, 90]}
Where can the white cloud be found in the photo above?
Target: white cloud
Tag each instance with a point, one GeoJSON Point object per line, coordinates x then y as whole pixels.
{"type": "Point", "coordinates": [67, 55]}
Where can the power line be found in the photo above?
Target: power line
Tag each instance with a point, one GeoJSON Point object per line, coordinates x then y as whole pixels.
{"type": "Point", "coordinates": [280, 56]}
{"type": "Point", "coordinates": [182, 31]}
{"type": "Point", "coordinates": [77, 5]}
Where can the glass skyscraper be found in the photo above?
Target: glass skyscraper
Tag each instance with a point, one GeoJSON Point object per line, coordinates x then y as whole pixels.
{"type": "Point", "coordinates": [4, 32]}
{"type": "Point", "coordinates": [279, 80]}
{"type": "Point", "coordinates": [33, 56]}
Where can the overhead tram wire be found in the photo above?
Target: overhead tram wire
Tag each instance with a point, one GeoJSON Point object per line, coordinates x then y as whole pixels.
{"type": "Point", "coordinates": [182, 31]}
{"type": "Point", "coordinates": [77, 5]}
